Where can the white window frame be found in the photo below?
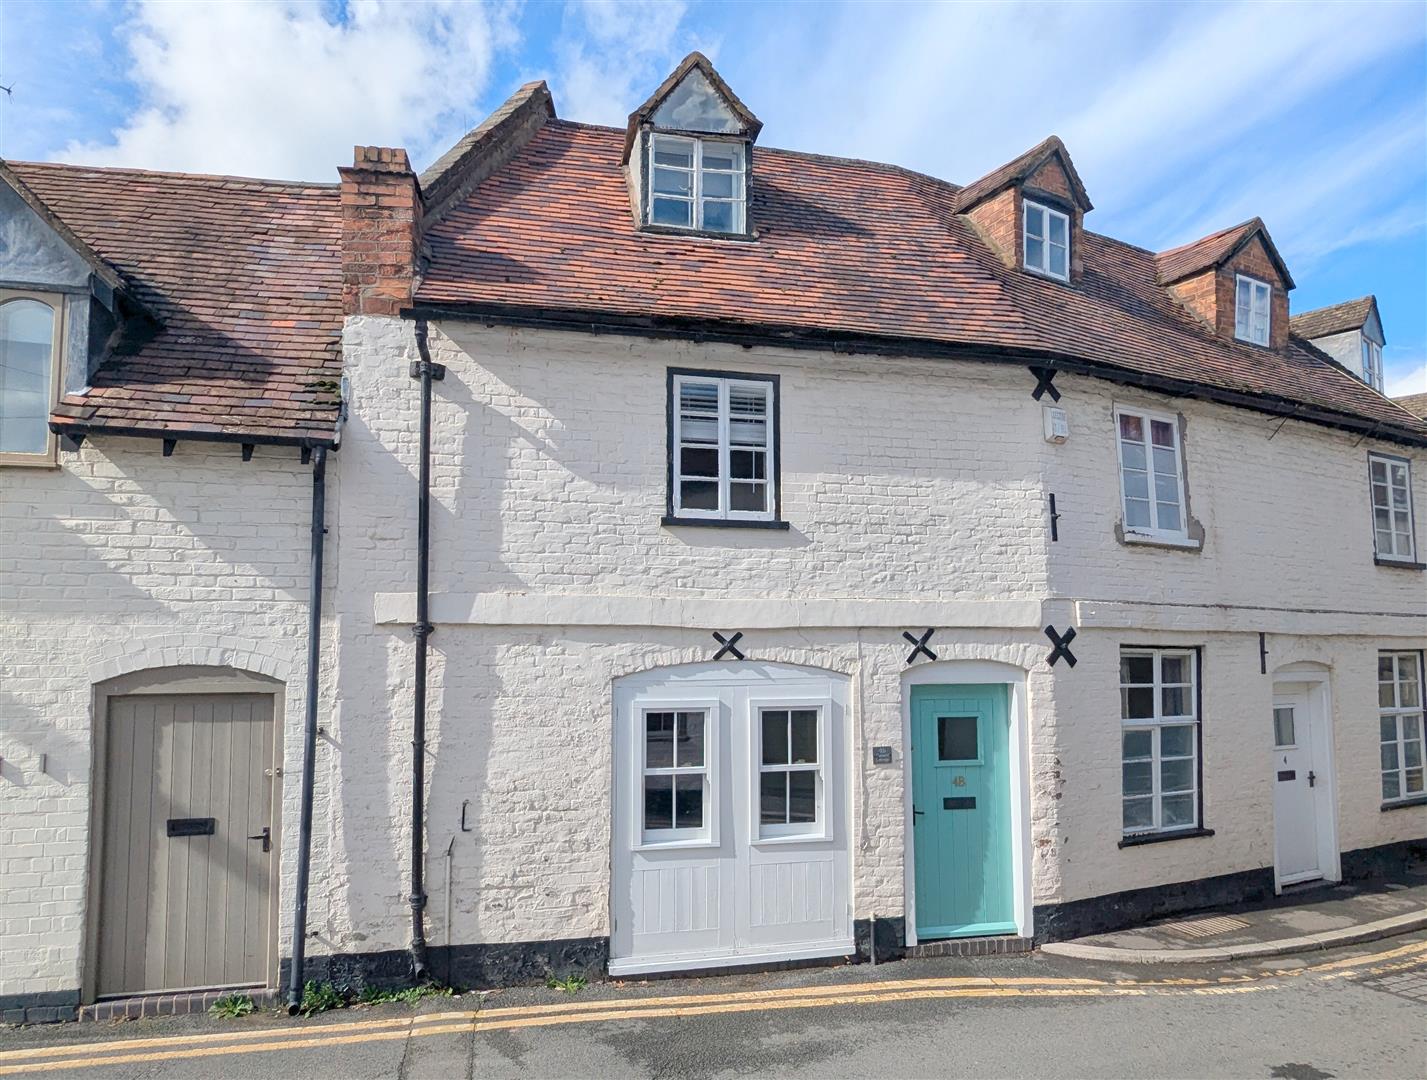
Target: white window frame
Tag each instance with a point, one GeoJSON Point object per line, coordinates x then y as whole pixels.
{"type": "Point", "coordinates": [48, 457]}
{"type": "Point", "coordinates": [796, 831]}
{"type": "Point", "coordinates": [738, 201]}
{"type": "Point", "coordinates": [1152, 532]}
{"type": "Point", "coordinates": [1246, 322]}
{"type": "Point", "coordinates": [1390, 462]}
{"type": "Point", "coordinates": [1372, 363]}
{"type": "Point", "coordinates": [707, 834]}
{"type": "Point", "coordinates": [768, 385]}
{"type": "Point", "coordinates": [1155, 725]}
{"type": "Point", "coordinates": [1403, 718]}
{"type": "Point", "coordinates": [1027, 205]}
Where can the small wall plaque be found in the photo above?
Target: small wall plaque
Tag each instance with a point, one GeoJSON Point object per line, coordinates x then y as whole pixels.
{"type": "Point", "coordinates": [881, 755]}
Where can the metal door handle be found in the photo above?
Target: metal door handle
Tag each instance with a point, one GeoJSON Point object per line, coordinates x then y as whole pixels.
{"type": "Point", "coordinates": [266, 836]}
{"type": "Point", "coordinates": [916, 812]}
{"type": "Point", "coordinates": [1311, 778]}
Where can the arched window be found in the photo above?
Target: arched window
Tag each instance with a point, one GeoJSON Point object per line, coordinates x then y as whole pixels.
{"type": "Point", "coordinates": [29, 375]}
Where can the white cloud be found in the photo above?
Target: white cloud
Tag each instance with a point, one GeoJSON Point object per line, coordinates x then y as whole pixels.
{"type": "Point", "coordinates": [612, 54]}
{"type": "Point", "coordinates": [1407, 375]}
{"type": "Point", "coordinates": [285, 89]}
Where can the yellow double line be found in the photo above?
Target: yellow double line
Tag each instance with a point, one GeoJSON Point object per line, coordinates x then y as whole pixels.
{"type": "Point", "coordinates": [170, 1048]}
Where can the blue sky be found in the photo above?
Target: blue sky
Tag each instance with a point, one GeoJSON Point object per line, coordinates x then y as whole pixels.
{"type": "Point", "coordinates": [1181, 118]}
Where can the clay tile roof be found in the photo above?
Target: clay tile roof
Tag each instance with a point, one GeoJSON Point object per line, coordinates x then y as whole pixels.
{"type": "Point", "coordinates": [1416, 404]}
{"type": "Point", "coordinates": [1179, 263]}
{"type": "Point", "coordinates": [1018, 169]}
{"type": "Point", "coordinates": [1335, 319]}
{"type": "Point", "coordinates": [843, 251]}
{"type": "Point", "coordinates": [244, 279]}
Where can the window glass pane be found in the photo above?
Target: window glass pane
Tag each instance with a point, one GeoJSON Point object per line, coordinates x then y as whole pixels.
{"type": "Point", "coordinates": [658, 802]}
{"type": "Point", "coordinates": [722, 156]}
{"type": "Point", "coordinates": [1414, 782]}
{"type": "Point", "coordinates": [747, 464]}
{"type": "Point", "coordinates": [1166, 488]}
{"type": "Point", "coordinates": [688, 802]}
{"type": "Point", "coordinates": [1137, 703]}
{"type": "Point", "coordinates": [805, 736]}
{"type": "Point", "coordinates": [1378, 469]}
{"type": "Point", "coordinates": [1176, 775]}
{"type": "Point", "coordinates": [1389, 755]}
{"type": "Point", "coordinates": [26, 373]}
{"type": "Point", "coordinates": [672, 212]}
{"type": "Point", "coordinates": [1387, 725]}
{"type": "Point", "coordinates": [698, 495]}
{"type": "Point", "coordinates": [673, 182]}
{"type": "Point", "coordinates": [1162, 434]}
{"type": "Point", "coordinates": [718, 216]}
{"type": "Point", "coordinates": [775, 737]}
{"type": "Point", "coordinates": [1132, 455]}
{"type": "Point", "coordinates": [1165, 462]}
{"type": "Point", "coordinates": [669, 151]}
{"type": "Point", "coordinates": [1132, 428]}
{"type": "Point", "coordinates": [803, 797]}
{"type": "Point", "coordinates": [1407, 689]}
{"type": "Point", "coordinates": [1174, 669]}
{"type": "Point", "coordinates": [1412, 754]}
{"type": "Point", "coordinates": [1391, 786]}
{"type": "Point", "coordinates": [718, 185]}
{"type": "Point", "coordinates": [1137, 485]}
{"type": "Point", "coordinates": [1283, 727]}
{"type": "Point", "coordinates": [1176, 741]}
{"type": "Point", "coordinates": [747, 431]}
{"type": "Point", "coordinates": [690, 747]}
{"type": "Point", "coordinates": [1169, 517]}
{"type": "Point", "coordinates": [1138, 777]}
{"type": "Point", "coordinates": [1057, 261]}
{"type": "Point", "coordinates": [1035, 223]}
{"type": "Point", "coordinates": [773, 798]}
{"type": "Point", "coordinates": [752, 497]}
{"type": "Point", "coordinates": [1035, 252]}
{"type": "Point", "coordinates": [659, 740]}
{"type": "Point", "coordinates": [1057, 229]}
{"type": "Point", "coordinates": [698, 461]}
{"type": "Point", "coordinates": [1137, 513]}
{"type": "Point", "coordinates": [956, 738]}
{"type": "Point", "coordinates": [1137, 744]}
{"type": "Point", "coordinates": [1176, 811]}
{"type": "Point", "coordinates": [1136, 668]}
{"type": "Point", "coordinates": [1138, 814]}
{"type": "Point", "coordinates": [1175, 701]}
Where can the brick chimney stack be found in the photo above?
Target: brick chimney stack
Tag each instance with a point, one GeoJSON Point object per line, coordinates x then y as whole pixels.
{"type": "Point", "coordinates": [381, 231]}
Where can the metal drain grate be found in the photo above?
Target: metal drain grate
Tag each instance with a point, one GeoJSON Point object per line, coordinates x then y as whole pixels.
{"type": "Point", "coordinates": [1210, 926]}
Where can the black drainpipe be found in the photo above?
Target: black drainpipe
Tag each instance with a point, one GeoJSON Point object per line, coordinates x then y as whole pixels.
{"type": "Point", "coordinates": [309, 735]}
{"type": "Point", "coordinates": [426, 371]}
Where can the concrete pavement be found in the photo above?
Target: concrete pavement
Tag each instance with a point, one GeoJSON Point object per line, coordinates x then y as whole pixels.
{"type": "Point", "coordinates": [1353, 1012]}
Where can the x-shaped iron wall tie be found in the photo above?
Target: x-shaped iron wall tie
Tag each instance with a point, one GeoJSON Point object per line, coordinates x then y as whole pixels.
{"type": "Point", "coordinates": [1062, 645]}
{"type": "Point", "coordinates": [919, 645]}
{"type": "Point", "coordinates": [729, 645]}
{"type": "Point", "coordinates": [1044, 379]}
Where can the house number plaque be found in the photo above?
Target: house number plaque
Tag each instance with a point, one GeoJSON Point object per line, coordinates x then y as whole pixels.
{"type": "Point", "coordinates": [881, 755]}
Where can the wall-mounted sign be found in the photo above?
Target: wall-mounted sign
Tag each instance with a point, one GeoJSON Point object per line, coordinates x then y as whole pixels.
{"type": "Point", "coordinates": [881, 755]}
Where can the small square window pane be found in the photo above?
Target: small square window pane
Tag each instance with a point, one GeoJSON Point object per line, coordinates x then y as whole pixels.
{"type": "Point", "coordinates": [1137, 703]}
{"type": "Point", "coordinates": [672, 212]}
{"type": "Point", "coordinates": [1057, 229]}
{"type": "Point", "coordinates": [1384, 541]}
{"type": "Point", "coordinates": [718, 185]}
{"type": "Point", "coordinates": [722, 156]}
{"type": "Point", "coordinates": [698, 461]}
{"type": "Point", "coordinates": [658, 802]}
{"type": "Point", "coordinates": [1378, 470]}
{"type": "Point", "coordinates": [1161, 433]}
{"type": "Point", "coordinates": [1399, 498]}
{"type": "Point", "coordinates": [1283, 727]}
{"type": "Point", "coordinates": [1398, 471]}
{"type": "Point", "coordinates": [1169, 519]}
{"type": "Point", "coordinates": [1137, 513]}
{"type": "Point", "coordinates": [775, 737]}
{"type": "Point", "coordinates": [1165, 463]}
{"type": "Point", "coordinates": [1035, 252]}
{"type": "Point", "coordinates": [1412, 754]}
{"type": "Point", "coordinates": [698, 495]}
{"type": "Point", "coordinates": [1177, 811]}
{"type": "Point", "coordinates": [1132, 428]}
{"type": "Point", "coordinates": [658, 740]}
{"type": "Point", "coordinates": [1176, 741]}
{"type": "Point", "coordinates": [1389, 755]}
{"type": "Point", "coordinates": [673, 182]}
{"type": "Point", "coordinates": [698, 429]}
{"type": "Point", "coordinates": [1136, 668]}
{"type": "Point", "coordinates": [1138, 814]}
{"type": "Point", "coordinates": [1137, 744]}
{"type": "Point", "coordinates": [1175, 700]}
{"type": "Point", "coordinates": [1166, 488]}
{"type": "Point", "coordinates": [747, 464]}
{"type": "Point", "coordinates": [805, 736]}
{"type": "Point", "coordinates": [1176, 775]}
{"type": "Point", "coordinates": [1137, 485]}
{"type": "Point", "coordinates": [773, 798]}
{"type": "Point", "coordinates": [1138, 777]}
{"type": "Point", "coordinates": [698, 396]}
{"type": "Point", "coordinates": [1387, 725]}
{"type": "Point", "coordinates": [1404, 544]}
{"type": "Point", "coordinates": [1391, 785]}
{"type": "Point", "coordinates": [718, 216]}
{"type": "Point", "coordinates": [689, 748]}
{"type": "Point", "coordinates": [679, 152]}
{"type": "Point", "coordinates": [1174, 669]}
{"type": "Point", "coordinates": [1132, 455]}
{"type": "Point", "coordinates": [956, 738]}
{"type": "Point", "coordinates": [749, 497]}
{"type": "Point", "coordinates": [1386, 670]}
{"type": "Point", "coordinates": [688, 802]}
{"type": "Point", "coordinates": [1057, 261]}
{"type": "Point", "coordinates": [1385, 697]}
{"type": "Point", "coordinates": [1414, 781]}
{"type": "Point", "coordinates": [1407, 692]}
{"type": "Point", "coordinates": [748, 431]}
{"type": "Point", "coordinates": [1412, 727]}
{"type": "Point", "coordinates": [1035, 221]}
{"type": "Point", "coordinates": [802, 797]}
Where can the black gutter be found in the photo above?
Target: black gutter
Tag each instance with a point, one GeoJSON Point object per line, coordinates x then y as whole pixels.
{"type": "Point", "coordinates": [796, 337]}
{"type": "Point", "coordinates": [426, 371]}
{"type": "Point", "coordinates": [309, 736]}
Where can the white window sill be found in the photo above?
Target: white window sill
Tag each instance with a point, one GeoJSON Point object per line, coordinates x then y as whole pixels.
{"type": "Point", "coordinates": [1153, 540]}
{"type": "Point", "coordinates": [675, 845]}
{"type": "Point", "coordinates": [791, 838]}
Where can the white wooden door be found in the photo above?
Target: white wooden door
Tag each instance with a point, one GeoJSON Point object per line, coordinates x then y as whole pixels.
{"type": "Point", "coordinates": [730, 818]}
{"type": "Point", "coordinates": [185, 892]}
{"type": "Point", "coordinates": [1295, 802]}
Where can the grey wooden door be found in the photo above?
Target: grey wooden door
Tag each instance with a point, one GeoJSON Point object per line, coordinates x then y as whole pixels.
{"type": "Point", "coordinates": [185, 901]}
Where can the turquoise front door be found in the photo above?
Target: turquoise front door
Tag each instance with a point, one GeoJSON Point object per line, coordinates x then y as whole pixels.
{"type": "Point", "coordinates": [961, 810]}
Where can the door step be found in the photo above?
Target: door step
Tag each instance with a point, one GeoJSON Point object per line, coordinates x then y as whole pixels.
{"type": "Point", "coordinates": [178, 1004]}
{"type": "Point", "coordinates": [1006, 945]}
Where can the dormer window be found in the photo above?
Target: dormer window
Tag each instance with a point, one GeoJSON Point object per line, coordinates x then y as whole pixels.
{"type": "Point", "coordinates": [1251, 310]}
{"type": "Point", "coordinates": [696, 183]}
{"type": "Point", "coordinates": [1372, 364]}
{"type": "Point", "coordinates": [1047, 241]}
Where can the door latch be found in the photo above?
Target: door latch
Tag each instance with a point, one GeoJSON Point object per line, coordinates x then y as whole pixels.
{"type": "Point", "coordinates": [266, 836]}
{"type": "Point", "coordinates": [1312, 776]}
{"type": "Point", "coordinates": [916, 813]}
